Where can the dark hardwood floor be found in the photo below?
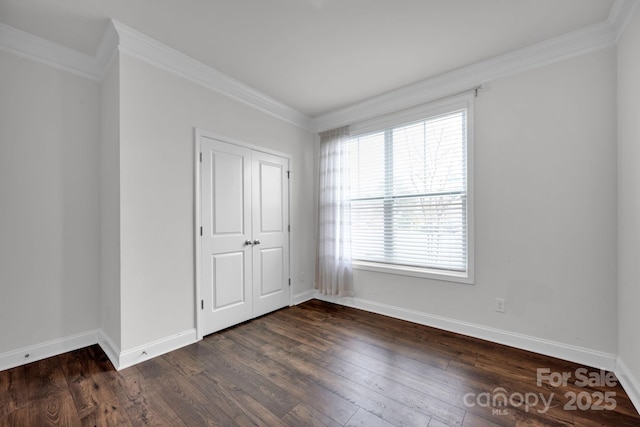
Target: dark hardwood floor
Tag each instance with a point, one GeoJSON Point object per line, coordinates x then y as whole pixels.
{"type": "Point", "coordinates": [314, 364]}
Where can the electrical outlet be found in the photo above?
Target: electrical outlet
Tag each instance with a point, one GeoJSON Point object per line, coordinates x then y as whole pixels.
{"type": "Point", "coordinates": [499, 305]}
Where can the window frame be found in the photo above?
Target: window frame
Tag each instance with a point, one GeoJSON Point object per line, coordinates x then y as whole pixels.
{"type": "Point", "coordinates": [424, 112]}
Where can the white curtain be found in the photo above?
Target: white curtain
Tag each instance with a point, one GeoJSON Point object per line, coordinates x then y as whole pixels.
{"type": "Point", "coordinates": [334, 275]}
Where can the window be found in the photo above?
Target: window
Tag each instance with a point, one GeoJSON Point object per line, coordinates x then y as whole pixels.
{"type": "Point", "coordinates": [410, 204]}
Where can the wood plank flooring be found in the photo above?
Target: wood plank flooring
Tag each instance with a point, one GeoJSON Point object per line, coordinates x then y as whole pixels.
{"type": "Point", "coordinates": [316, 364]}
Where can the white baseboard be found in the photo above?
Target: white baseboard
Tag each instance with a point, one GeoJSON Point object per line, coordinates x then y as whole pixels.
{"type": "Point", "coordinates": [110, 348]}
{"type": "Point", "coordinates": [119, 359]}
{"type": "Point", "coordinates": [155, 348]}
{"type": "Point", "coordinates": [304, 296]}
{"type": "Point", "coordinates": [36, 352]}
{"type": "Point", "coordinates": [629, 382]}
{"type": "Point", "coordinates": [584, 356]}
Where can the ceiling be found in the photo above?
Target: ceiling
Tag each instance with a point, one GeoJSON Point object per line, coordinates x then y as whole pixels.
{"type": "Point", "coordinates": [316, 55]}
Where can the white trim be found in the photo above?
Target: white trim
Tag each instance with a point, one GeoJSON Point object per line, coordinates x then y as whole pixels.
{"type": "Point", "coordinates": [304, 296]}
{"type": "Point", "coordinates": [36, 352]}
{"type": "Point", "coordinates": [138, 45]}
{"type": "Point", "coordinates": [119, 37]}
{"type": "Point", "coordinates": [44, 51]}
{"type": "Point", "coordinates": [197, 138]}
{"type": "Point", "coordinates": [199, 134]}
{"type": "Point", "coordinates": [290, 197]}
{"type": "Point", "coordinates": [110, 348]}
{"type": "Point", "coordinates": [471, 195]}
{"type": "Point", "coordinates": [620, 14]}
{"type": "Point", "coordinates": [203, 133]}
{"type": "Point", "coordinates": [414, 114]}
{"type": "Point", "coordinates": [119, 359]}
{"type": "Point", "coordinates": [584, 356]}
{"type": "Point", "coordinates": [107, 49]}
{"type": "Point", "coordinates": [629, 382]}
{"type": "Point", "coordinates": [584, 40]}
{"type": "Point", "coordinates": [156, 348]}
{"type": "Point", "coordinates": [465, 278]}
{"type": "Point", "coordinates": [461, 101]}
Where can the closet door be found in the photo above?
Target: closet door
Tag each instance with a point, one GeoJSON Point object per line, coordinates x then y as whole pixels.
{"type": "Point", "coordinates": [244, 246]}
{"type": "Point", "coordinates": [226, 241]}
{"type": "Point", "coordinates": [270, 210]}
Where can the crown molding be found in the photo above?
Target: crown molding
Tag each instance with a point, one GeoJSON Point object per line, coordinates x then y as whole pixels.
{"type": "Point", "coordinates": [42, 50]}
{"type": "Point", "coordinates": [588, 39]}
{"type": "Point", "coordinates": [120, 38]}
{"type": "Point", "coordinates": [107, 49]}
{"type": "Point", "coordinates": [620, 14]}
{"type": "Point", "coordinates": [138, 45]}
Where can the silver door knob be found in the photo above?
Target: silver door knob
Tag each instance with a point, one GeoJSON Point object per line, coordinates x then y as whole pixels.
{"type": "Point", "coordinates": [256, 242]}
{"type": "Point", "coordinates": [248, 242]}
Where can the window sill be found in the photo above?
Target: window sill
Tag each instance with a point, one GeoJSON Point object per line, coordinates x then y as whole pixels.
{"type": "Point", "coordinates": [424, 273]}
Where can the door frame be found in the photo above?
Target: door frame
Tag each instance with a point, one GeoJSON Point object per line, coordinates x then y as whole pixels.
{"type": "Point", "coordinates": [198, 135]}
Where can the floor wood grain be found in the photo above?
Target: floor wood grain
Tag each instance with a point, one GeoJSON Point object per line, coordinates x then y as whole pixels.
{"type": "Point", "coordinates": [316, 364]}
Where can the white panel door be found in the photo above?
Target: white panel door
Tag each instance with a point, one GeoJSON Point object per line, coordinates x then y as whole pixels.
{"type": "Point", "coordinates": [227, 265]}
{"type": "Point", "coordinates": [270, 210]}
{"type": "Point", "coordinates": [245, 238]}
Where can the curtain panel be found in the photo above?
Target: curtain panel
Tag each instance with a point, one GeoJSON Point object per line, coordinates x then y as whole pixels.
{"type": "Point", "coordinates": [334, 274]}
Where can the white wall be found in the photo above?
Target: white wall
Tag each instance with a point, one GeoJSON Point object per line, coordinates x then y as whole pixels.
{"type": "Point", "coordinates": [629, 198]}
{"type": "Point", "coordinates": [102, 236]}
{"type": "Point", "coordinates": [158, 114]}
{"type": "Point", "coordinates": [49, 203]}
{"type": "Point", "coordinates": [110, 205]}
{"type": "Point", "coordinates": [545, 203]}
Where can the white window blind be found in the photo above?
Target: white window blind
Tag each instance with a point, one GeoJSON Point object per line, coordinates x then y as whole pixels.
{"type": "Point", "coordinates": [409, 194]}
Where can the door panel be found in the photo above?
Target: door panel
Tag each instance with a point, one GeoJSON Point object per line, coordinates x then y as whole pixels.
{"type": "Point", "coordinates": [271, 200]}
{"type": "Point", "coordinates": [226, 225]}
{"type": "Point", "coordinates": [228, 194]}
{"type": "Point", "coordinates": [271, 279]}
{"type": "Point", "coordinates": [270, 227]}
{"type": "Point", "coordinates": [227, 266]}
